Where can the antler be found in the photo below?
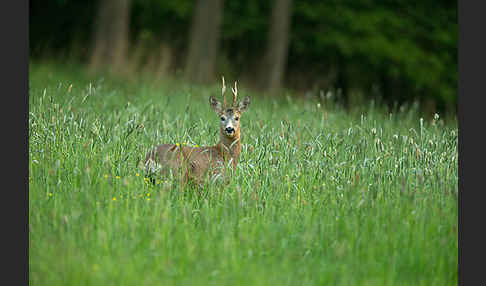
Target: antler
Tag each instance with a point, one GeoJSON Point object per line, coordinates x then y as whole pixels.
{"type": "Point", "coordinates": [222, 92]}
{"type": "Point", "coordinates": [235, 94]}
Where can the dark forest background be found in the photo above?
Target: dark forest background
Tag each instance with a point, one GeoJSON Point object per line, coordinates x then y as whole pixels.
{"type": "Point", "coordinates": [397, 51]}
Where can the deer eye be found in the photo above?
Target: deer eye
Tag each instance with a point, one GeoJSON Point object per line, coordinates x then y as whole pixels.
{"type": "Point", "coordinates": [222, 118]}
{"type": "Point", "coordinates": [236, 118]}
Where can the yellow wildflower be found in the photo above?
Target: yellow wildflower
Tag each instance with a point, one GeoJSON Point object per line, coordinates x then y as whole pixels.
{"type": "Point", "coordinates": [106, 176]}
{"type": "Point", "coordinates": [114, 198]}
{"type": "Point", "coordinates": [118, 177]}
{"type": "Point", "coordinates": [136, 174]}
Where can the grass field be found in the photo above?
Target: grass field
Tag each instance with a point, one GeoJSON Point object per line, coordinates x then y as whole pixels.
{"type": "Point", "coordinates": [320, 197]}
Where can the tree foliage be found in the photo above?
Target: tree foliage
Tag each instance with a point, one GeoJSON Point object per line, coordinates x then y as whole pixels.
{"type": "Point", "coordinates": [405, 48]}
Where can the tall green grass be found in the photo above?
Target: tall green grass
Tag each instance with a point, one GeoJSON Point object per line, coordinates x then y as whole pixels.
{"type": "Point", "coordinates": [320, 197]}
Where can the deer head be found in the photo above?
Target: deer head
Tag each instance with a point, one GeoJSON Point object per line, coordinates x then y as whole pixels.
{"type": "Point", "coordinates": [230, 115]}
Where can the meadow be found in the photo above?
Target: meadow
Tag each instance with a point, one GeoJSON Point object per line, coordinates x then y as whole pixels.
{"type": "Point", "coordinates": [321, 196]}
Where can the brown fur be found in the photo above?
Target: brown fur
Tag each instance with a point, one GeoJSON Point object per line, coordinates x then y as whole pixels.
{"type": "Point", "coordinates": [196, 163]}
{"type": "Point", "coordinates": [200, 163]}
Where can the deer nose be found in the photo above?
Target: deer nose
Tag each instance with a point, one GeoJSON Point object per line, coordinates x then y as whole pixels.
{"type": "Point", "coordinates": [229, 130]}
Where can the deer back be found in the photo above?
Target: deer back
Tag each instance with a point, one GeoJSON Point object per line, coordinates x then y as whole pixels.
{"type": "Point", "coordinates": [191, 162]}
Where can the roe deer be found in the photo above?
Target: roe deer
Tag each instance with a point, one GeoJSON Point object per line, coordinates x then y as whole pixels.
{"type": "Point", "coordinates": [200, 163]}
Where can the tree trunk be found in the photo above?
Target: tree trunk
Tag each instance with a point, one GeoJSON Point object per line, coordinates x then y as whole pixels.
{"type": "Point", "coordinates": [275, 58]}
{"type": "Point", "coordinates": [204, 41]}
{"type": "Point", "coordinates": [110, 42]}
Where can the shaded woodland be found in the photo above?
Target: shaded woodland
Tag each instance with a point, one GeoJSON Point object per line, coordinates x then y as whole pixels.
{"type": "Point", "coordinates": [398, 51]}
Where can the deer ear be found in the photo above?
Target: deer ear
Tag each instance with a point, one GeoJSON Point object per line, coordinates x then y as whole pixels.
{"type": "Point", "coordinates": [243, 104]}
{"type": "Point", "coordinates": [215, 104]}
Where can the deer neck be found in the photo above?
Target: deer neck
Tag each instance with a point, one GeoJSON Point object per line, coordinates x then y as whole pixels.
{"type": "Point", "coordinates": [230, 147]}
